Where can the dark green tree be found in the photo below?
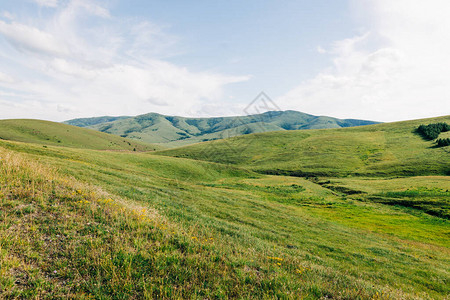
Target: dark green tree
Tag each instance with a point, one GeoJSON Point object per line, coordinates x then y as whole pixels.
{"type": "Point", "coordinates": [432, 131]}
{"type": "Point", "coordinates": [443, 142]}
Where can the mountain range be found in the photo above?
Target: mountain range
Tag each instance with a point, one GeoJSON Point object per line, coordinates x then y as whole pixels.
{"type": "Point", "coordinates": [174, 131]}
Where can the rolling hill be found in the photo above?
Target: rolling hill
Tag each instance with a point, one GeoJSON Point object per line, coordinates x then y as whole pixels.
{"type": "Point", "coordinates": [389, 149]}
{"type": "Point", "coordinates": [82, 223]}
{"type": "Point", "coordinates": [173, 131]}
{"type": "Point", "coordinates": [86, 122]}
{"type": "Point", "coordinates": [51, 133]}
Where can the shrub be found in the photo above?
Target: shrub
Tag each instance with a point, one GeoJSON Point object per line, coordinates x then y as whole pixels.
{"type": "Point", "coordinates": [432, 131]}
{"type": "Point", "coordinates": [443, 142]}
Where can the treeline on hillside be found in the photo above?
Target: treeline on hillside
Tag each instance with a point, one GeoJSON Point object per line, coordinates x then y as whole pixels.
{"type": "Point", "coordinates": [432, 131]}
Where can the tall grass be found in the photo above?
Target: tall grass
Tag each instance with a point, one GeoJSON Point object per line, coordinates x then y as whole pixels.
{"type": "Point", "coordinates": [61, 238]}
{"type": "Point", "coordinates": [160, 227]}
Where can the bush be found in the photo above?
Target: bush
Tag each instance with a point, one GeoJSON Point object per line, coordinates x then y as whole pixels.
{"type": "Point", "coordinates": [432, 131]}
{"type": "Point", "coordinates": [443, 142]}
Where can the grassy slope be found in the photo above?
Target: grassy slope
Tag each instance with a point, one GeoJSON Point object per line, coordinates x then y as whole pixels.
{"type": "Point", "coordinates": [51, 133]}
{"type": "Point", "coordinates": [429, 194]}
{"type": "Point", "coordinates": [382, 149]}
{"type": "Point", "coordinates": [85, 122]}
{"type": "Point", "coordinates": [175, 131]}
{"type": "Point", "coordinates": [228, 232]}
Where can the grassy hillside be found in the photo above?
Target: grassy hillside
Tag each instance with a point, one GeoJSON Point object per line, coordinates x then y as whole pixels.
{"type": "Point", "coordinates": [84, 223]}
{"type": "Point", "coordinates": [172, 131]}
{"type": "Point", "coordinates": [51, 133]}
{"type": "Point", "coordinates": [101, 224]}
{"type": "Point", "coordinates": [85, 122]}
{"type": "Point", "coordinates": [389, 149]}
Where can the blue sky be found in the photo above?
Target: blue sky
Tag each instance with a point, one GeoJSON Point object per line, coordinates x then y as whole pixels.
{"type": "Point", "coordinates": [381, 60]}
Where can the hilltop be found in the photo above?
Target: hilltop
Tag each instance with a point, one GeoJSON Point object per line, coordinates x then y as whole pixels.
{"type": "Point", "coordinates": [174, 131]}
{"type": "Point", "coordinates": [86, 122]}
{"type": "Point", "coordinates": [389, 149]}
{"type": "Point", "coordinates": [52, 133]}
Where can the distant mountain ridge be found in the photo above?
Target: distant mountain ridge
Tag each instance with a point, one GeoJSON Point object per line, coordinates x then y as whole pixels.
{"type": "Point", "coordinates": [173, 131]}
{"type": "Point", "coordinates": [86, 122]}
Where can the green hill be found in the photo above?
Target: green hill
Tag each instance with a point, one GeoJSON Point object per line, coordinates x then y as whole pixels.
{"type": "Point", "coordinates": [85, 122]}
{"type": "Point", "coordinates": [172, 131]}
{"type": "Point", "coordinates": [86, 224]}
{"type": "Point", "coordinates": [51, 133]}
{"type": "Point", "coordinates": [381, 149]}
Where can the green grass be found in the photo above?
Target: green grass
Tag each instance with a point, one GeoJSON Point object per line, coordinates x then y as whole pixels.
{"type": "Point", "coordinates": [57, 134]}
{"type": "Point", "coordinates": [229, 232]}
{"type": "Point", "coordinates": [391, 149]}
{"type": "Point", "coordinates": [429, 194]}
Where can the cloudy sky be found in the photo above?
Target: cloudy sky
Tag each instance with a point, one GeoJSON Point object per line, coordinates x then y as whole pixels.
{"type": "Point", "coordinates": [381, 60]}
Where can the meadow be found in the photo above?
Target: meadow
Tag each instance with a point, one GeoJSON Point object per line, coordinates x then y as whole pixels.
{"type": "Point", "coordinates": [95, 224]}
{"type": "Point", "coordinates": [390, 149]}
{"type": "Point", "coordinates": [56, 134]}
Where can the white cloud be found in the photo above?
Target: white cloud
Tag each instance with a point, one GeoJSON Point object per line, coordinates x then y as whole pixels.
{"type": "Point", "coordinates": [74, 7]}
{"type": "Point", "coordinates": [6, 78]}
{"type": "Point", "coordinates": [8, 15]}
{"type": "Point", "coordinates": [47, 3]}
{"type": "Point", "coordinates": [26, 38]}
{"type": "Point", "coordinates": [65, 108]}
{"type": "Point", "coordinates": [148, 40]}
{"type": "Point", "coordinates": [321, 50]}
{"type": "Point", "coordinates": [399, 69]}
{"type": "Point", "coordinates": [66, 69]}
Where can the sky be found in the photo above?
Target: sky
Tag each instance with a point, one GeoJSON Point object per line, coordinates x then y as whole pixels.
{"type": "Point", "coordinates": [378, 60]}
